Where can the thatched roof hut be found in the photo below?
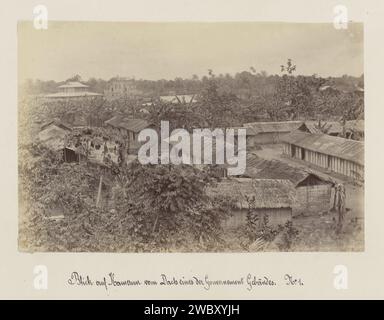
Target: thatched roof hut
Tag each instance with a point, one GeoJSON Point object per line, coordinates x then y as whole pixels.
{"type": "Point", "coordinates": [312, 191]}
{"type": "Point", "coordinates": [272, 198]}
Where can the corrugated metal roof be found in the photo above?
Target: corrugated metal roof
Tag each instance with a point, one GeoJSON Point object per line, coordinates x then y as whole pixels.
{"type": "Point", "coordinates": [266, 193]}
{"type": "Point", "coordinates": [259, 168]}
{"type": "Point", "coordinates": [339, 147]}
{"type": "Point", "coordinates": [282, 126]}
{"type": "Point", "coordinates": [135, 125]}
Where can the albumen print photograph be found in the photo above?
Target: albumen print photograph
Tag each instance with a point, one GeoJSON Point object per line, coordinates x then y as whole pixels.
{"type": "Point", "coordinates": [190, 137]}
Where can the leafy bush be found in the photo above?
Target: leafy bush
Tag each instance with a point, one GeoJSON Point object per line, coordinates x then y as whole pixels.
{"type": "Point", "coordinates": [281, 236]}
{"type": "Point", "coordinates": [151, 208]}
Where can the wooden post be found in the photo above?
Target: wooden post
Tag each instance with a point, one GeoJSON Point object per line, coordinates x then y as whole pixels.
{"type": "Point", "coordinates": [99, 191]}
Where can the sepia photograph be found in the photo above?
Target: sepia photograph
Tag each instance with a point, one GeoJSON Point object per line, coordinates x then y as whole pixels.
{"type": "Point", "coordinates": [190, 137]}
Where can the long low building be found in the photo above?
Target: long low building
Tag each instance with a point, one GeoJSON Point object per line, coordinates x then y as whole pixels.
{"type": "Point", "coordinates": [343, 156]}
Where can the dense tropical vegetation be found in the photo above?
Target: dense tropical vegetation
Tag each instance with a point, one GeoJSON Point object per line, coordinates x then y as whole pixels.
{"type": "Point", "coordinates": [164, 207]}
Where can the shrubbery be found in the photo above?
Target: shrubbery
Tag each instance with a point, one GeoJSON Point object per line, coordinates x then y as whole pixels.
{"type": "Point", "coordinates": [264, 236]}
{"type": "Point", "coordinates": [149, 208]}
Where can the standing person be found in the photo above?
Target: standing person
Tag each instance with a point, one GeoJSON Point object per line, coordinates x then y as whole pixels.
{"type": "Point", "coordinates": [105, 151]}
{"type": "Point", "coordinates": [339, 205]}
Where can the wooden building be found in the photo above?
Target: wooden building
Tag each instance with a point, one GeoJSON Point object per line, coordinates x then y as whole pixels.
{"type": "Point", "coordinates": [340, 155]}
{"type": "Point", "coordinates": [269, 132]}
{"type": "Point", "coordinates": [269, 197]}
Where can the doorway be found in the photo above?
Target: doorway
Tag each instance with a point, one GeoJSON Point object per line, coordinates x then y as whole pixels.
{"type": "Point", "coordinates": [293, 151]}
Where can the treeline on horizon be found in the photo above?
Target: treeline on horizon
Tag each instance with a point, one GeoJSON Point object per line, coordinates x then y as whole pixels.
{"type": "Point", "coordinates": [225, 100]}
{"type": "Point", "coordinates": [244, 84]}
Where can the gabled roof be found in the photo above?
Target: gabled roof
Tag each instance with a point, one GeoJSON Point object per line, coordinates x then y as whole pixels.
{"type": "Point", "coordinates": [73, 84]}
{"type": "Point", "coordinates": [56, 123]}
{"type": "Point", "coordinates": [259, 168]}
{"type": "Point", "coordinates": [266, 193]}
{"type": "Point", "coordinates": [339, 147]}
{"type": "Point", "coordinates": [135, 125]}
{"type": "Point", "coordinates": [282, 126]}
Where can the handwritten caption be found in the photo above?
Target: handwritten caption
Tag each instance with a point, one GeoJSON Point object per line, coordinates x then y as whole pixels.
{"type": "Point", "coordinates": [249, 282]}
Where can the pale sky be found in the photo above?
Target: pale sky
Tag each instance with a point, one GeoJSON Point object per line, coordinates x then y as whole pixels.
{"type": "Point", "coordinates": [168, 50]}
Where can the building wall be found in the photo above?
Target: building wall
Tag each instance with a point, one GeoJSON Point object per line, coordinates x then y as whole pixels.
{"type": "Point", "coordinates": [347, 168]}
{"type": "Point", "coordinates": [329, 162]}
{"type": "Point", "coordinates": [311, 200]}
